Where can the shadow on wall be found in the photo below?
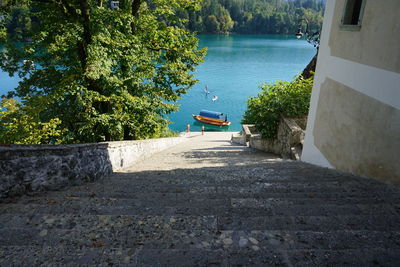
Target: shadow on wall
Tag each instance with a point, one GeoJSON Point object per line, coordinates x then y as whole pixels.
{"type": "Point", "coordinates": [25, 169]}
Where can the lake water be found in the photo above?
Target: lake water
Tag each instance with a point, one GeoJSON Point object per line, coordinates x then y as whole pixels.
{"type": "Point", "coordinates": [233, 69]}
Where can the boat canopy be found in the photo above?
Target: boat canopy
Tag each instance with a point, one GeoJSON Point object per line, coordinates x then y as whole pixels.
{"type": "Point", "coordinates": [210, 114]}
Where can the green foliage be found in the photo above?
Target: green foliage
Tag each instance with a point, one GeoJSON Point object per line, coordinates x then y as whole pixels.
{"type": "Point", "coordinates": [19, 23]}
{"type": "Point", "coordinates": [212, 24]}
{"type": "Point", "coordinates": [166, 132]}
{"type": "Point", "coordinates": [21, 125]}
{"type": "Point", "coordinates": [226, 24]}
{"type": "Point", "coordinates": [255, 16]}
{"type": "Point", "coordinates": [291, 99]}
{"type": "Point", "coordinates": [104, 74]}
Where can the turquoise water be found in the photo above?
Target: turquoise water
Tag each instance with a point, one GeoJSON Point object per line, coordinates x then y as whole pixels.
{"type": "Point", "coordinates": [7, 83]}
{"type": "Point", "coordinates": [233, 69]}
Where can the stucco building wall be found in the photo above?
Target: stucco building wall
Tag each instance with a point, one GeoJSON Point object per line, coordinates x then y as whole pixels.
{"type": "Point", "coordinates": [354, 119]}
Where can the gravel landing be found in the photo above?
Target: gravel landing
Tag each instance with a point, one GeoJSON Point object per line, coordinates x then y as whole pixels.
{"type": "Point", "coordinates": [207, 202]}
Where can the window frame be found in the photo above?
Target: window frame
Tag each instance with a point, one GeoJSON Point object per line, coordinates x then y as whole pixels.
{"type": "Point", "coordinates": [352, 27]}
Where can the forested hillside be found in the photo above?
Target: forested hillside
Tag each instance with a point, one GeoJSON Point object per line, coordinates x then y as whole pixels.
{"type": "Point", "coordinates": [254, 16]}
{"type": "Point", "coordinates": [224, 16]}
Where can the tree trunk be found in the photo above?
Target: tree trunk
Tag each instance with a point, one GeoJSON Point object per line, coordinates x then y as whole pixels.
{"type": "Point", "coordinates": [135, 12]}
{"type": "Point", "coordinates": [87, 36]}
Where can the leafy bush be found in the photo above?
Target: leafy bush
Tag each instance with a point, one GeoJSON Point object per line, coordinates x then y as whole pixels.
{"type": "Point", "coordinates": [166, 132]}
{"type": "Point", "coordinates": [290, 99]}
{"type": "Point", "coordinates": [20, 124]}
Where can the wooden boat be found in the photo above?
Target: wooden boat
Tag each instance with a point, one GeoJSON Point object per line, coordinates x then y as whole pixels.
{"type": "Point", "coordinates": [211, 117]}
{"type": "Point", "coordinates": [211, 121]}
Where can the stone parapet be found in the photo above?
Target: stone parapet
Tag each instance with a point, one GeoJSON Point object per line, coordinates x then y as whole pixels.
{"type": "Point", "coordinates": [287, 144]}
{"type": "Point", "coordinates": [243, 137]}
{"type": "Point", "coordinates": [25, 169]}
{"type": "Point", "coordinates": [124, 153]}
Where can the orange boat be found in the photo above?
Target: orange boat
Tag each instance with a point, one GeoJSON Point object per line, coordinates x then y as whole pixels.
{"type": "Point", "coordinates": [211, 121]}
{"type": "Point", "coordinates": [211, 117]}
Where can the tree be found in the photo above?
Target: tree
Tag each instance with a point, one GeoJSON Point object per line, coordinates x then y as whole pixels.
{"type": "Point", "coordinates": [212, 24]}
{"type": "Point", "coordinates": [226, 24]}
{"type": "Point", "coordinates": [19, 24]}
{"type": "Point", "coordinates": [105, 74]}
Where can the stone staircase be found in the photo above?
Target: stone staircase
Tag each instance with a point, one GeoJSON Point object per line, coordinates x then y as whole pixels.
{"type": "Point", "coordinates": [207, 202]}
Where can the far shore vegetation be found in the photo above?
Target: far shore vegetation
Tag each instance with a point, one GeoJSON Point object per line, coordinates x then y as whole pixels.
{"type": "Point", "coordinates": [254, 16]}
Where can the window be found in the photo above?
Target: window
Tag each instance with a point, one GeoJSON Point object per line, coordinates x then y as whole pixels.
{"type": "Point", "coordinates": [353, 12]}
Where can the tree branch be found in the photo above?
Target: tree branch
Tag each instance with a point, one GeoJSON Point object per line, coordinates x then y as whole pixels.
{"type": "Point", "coordinates": [44, 1]}
{"type": "Point", "coordinates": [84, 44]}
{"type": "Point", "coordinates": [87, 35]}
{"type": "Point", "coordinates": [63, 4]}
{"type": "Point", "coordinates": [70, 10]}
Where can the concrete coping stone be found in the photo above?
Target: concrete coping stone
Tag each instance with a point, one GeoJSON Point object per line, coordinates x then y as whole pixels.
{"type": "Point", "coordinates": [5, 148]}
{"type": "Point", "coordinates": [136, 142]}
{"type": "Point", "coordinates": [292, 124]}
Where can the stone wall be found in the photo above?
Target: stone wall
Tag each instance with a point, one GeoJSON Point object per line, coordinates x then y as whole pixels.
{"type": "Point", "coordinates": [288, 143]}
{"type": "Point", "coordinates": [26, 169]}
{"type": "Point", "coordinates": [243, 137]}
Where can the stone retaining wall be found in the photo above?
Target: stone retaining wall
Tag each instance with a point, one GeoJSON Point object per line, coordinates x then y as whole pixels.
{"type": "Point", "coordinates": [26, 169]}
{"type": "Point", "coordinates": [287, 144]}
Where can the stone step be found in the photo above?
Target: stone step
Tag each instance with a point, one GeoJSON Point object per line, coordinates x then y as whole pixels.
{"type": "Point", "coordinates": [235, 187]}
{"type": "Point", "coordinates": [118, 202]}
{"type": "Point", "coordinates": [169, 199]}
{"type": "Point", "coordinates": [220, 207]}
{"type": "Point", "coordinates": [341, 197]}
{"type": "Point", "coordinates": [285, 170]}
{"type": "Point", "coordinates": [104, 222]}
{"type": "Point", "coordinates": [202, 178]}
{"type": "Point", "coordinates": [164, 237]}
{"type": "Point", "coordinates": [257, 188]}
{"type": "Point", "coordinates": [65, 256]}
{"type": "Point", "coordinates": [350, 257]}
{"type": "Point", "coordinates": [311, 223]}
{"type": "Point", "coordinates": [223, 221]}
{"type": "Point", "coordinates": [106, 256]}
{"type": "Point", "coordinates": [238, 175]}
